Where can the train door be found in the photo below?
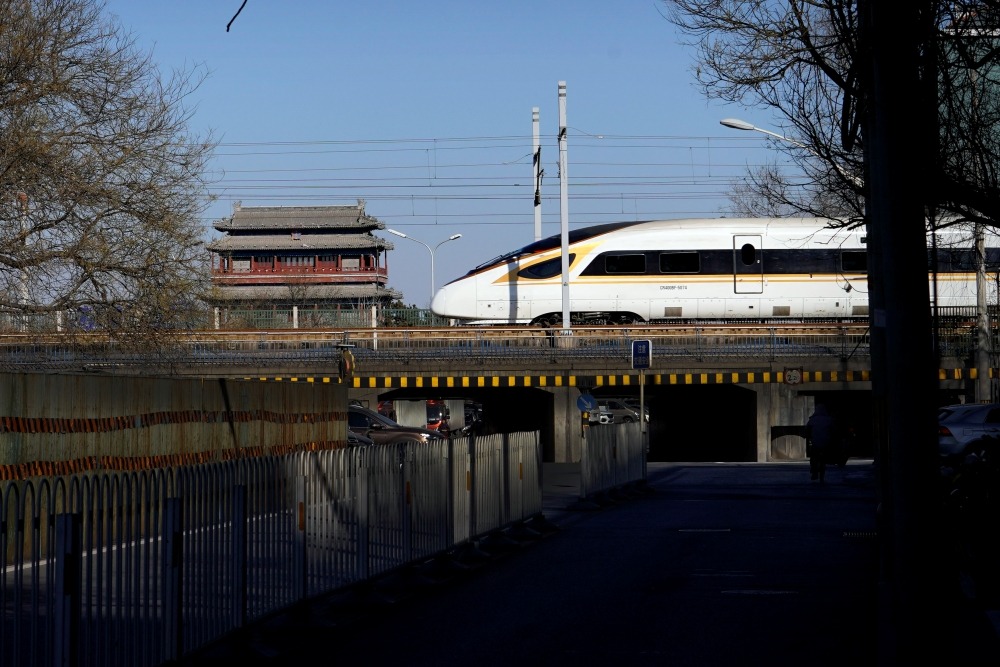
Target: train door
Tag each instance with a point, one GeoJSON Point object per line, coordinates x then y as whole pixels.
{"type": "Point", "coordinates": [748, 269]}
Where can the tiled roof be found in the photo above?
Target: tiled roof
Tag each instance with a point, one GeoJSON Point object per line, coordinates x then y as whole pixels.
{"type": "Point", "coordinates": [306, 242]}
{"type": "Point", "coordinates": [310, 293]}
{"type": "Point", "coordinates": [299, 218]}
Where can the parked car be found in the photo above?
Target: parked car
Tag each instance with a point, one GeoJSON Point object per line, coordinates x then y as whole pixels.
{"type": "Point", "coordinates": [474, 419]}
{"type": "Point", "coordinates": [383, 430]}
{"type": "Point", "coordinates": [600, 415]}
{"type": "Point", "coordinates": [358, 440]}
{"type": "Point", "coordinates": [388, 409]}
{"type": "Point", "coordinates": [962, 425]}
{"type": "Point", "coordinates": [620, 413]}
{"type": "Point", "coordinates": [604, 415]}
{"type": "Point", "coordinates": [438, 416]}
{"type": "Point", "coordinates": [633, 402]}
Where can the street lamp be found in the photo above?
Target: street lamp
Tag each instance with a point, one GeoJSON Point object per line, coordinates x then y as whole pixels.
{"type": "Point", "coordinates": [453, 237]}
{"type": "Point", "coordinates": [737, 124]}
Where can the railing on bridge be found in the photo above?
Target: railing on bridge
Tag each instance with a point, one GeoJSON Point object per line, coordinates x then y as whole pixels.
{"type": "Point", "coordinates": [472, 346]}
{"type": "Point", "coordinates": [480, 346]}
{"type": "Point", "coordinates": [141, 568]}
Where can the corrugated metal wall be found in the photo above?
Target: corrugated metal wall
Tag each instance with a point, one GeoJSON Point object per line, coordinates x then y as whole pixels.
{"type": "Point", "coordinates": [56, 424]}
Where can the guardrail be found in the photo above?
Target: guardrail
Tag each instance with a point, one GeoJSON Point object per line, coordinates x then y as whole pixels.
{"type": "Point", "coordinates": [140, 568]}
{"type": "Point", "coordinates": [475, 346]}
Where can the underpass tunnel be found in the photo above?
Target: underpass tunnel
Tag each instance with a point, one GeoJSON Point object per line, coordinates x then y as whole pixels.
{"type": "Point", "coordinates": [854, 410]}
{"type": "Point", "coordinates": [697, 423]}
{"type": "Point", "coordinates": [504, 410]}
{"type": "Point", "coordinates": [687, 424]}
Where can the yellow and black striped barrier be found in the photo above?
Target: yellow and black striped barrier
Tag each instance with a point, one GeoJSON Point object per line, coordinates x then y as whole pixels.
{"type": "Point", "coordinates": [788, 376]}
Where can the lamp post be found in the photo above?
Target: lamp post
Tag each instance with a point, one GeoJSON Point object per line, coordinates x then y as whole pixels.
{"type": "Point", "coordinates": [737, 124]}
{"type": "Point", "coordinates": [453, 237]}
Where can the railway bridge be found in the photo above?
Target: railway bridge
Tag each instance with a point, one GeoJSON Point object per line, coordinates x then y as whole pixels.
{"type": "Point", "coordinates": [714, 393]}
{"type": "Point", "coordinates": [720, 392]}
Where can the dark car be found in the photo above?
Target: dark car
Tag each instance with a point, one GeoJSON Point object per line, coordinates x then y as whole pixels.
{"type": "Point", "coordinates": [383, 430]}
{"type": "Point", "coordinates": [358, 440]}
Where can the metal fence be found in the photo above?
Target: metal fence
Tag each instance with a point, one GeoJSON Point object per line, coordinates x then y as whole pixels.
{"type": "Point", "coordinates": [280, 318]}
{"type": "Point", "coordinates": [141, 568]}
{"type": "Point", "coordinates": [613, 456]}
{"type": "Point", "coordinates": [305, 318]}
{"type": "Point", "coordinates": [472, 346]}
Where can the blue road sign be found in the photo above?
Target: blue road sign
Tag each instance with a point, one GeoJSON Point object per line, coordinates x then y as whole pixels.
{"type": "Point", "coordinates": [586, 403]}
{"type": "Point", "coordinates": [642, 354]}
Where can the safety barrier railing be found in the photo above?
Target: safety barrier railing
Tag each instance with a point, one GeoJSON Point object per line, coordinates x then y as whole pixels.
{"type": "Point", "coordinates": [471, 346]}
{"type": "Point", "coordinates": [141, 568]}
{"type": "Point", "coordinates": [613, 456]}
{"type": "Point", "coordinates": [483, 347]}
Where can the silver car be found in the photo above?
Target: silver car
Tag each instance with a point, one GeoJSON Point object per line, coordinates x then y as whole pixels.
{"type": "Point", "coordinates": [962, 425]}
{"type": "Point", "coordinates": [620, 413]}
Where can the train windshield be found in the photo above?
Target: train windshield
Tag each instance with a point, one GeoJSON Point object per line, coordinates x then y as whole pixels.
{"type": "Point", "coordinates": [554, 241]}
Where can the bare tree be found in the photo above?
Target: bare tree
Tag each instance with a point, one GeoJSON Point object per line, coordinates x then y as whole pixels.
{"type": "Point", "coordinates": [101, 181]}
{"type": "Point", "coordinates": [799, 60]}
{"type": "Point", "coordinates": [965, 180]}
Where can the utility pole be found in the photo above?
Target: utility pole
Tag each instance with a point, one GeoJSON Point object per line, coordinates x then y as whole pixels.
{"type": "Point", "coordinates": [536, 163]}
{"type": "Point", "coordinates": [564, 207]}
{"type": "Point", "coordinates": [983, 388]}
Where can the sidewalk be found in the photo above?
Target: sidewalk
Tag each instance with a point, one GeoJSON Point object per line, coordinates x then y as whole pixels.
{"type": "Point", "coordinates": [712, 565]}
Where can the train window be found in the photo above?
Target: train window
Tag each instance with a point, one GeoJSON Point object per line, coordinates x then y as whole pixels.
{"type": "Point", "coordinates": [854, 261]}
{"type": "Point", "coordinates": [962, 260]}
{"type": "Point", "coordinates": [680, 262]}
{"type": "Point", "coordinates": [550, 268]}
{"type": "Point", "coordinates": [625, 263]}
{"type": "Point", "coordinates": [748, 254]}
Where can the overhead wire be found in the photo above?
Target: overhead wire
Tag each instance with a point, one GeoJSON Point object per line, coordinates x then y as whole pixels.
{"type": "Point", "coordinates": [260, 171]}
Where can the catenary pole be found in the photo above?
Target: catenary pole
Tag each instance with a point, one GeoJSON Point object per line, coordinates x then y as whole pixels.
{"type": "Point", "coordinates": [564, 206]}
{"type": "Point", "coordinates": [536, 163]}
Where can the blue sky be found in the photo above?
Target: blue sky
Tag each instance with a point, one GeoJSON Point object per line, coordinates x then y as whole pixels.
{"type": "Point", "coordinates": [424, 110]}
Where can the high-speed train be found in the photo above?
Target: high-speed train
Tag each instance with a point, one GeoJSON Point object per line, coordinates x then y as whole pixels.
{"type": "Point", "coordinates": [695, 269]}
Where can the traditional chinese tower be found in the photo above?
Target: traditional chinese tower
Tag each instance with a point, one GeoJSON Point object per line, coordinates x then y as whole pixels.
{"type": "Point", "coordinates": [299, 266]}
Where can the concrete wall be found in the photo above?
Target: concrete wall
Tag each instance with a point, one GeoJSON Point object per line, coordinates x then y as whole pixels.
{"type": "Point", "coordinates": [87, 421]}
{"type": "Point", "coordinates": [781, 416]}
{"type": "Point", "coordinates": [144, 420]}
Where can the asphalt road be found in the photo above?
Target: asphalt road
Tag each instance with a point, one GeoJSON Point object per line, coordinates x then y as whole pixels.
{"type": "Point", "coordinates": [715, 564]}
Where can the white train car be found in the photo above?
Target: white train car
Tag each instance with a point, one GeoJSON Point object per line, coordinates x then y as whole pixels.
{"type": "Point", "coordinates": [694, 269]}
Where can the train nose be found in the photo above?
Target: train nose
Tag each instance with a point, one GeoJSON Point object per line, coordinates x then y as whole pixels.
{"type": "Point", "coordinates": [439, 304]}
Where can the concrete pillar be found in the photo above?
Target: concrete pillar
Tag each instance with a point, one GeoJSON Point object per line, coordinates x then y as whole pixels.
{"type": "Point", "coordinates": [764, 402]}
{"type": "Point", "coordinates": [780, 409]}
{"type": "Point", "coordinates": [567, 438]}
{"type": "Point", "coordinates": [408, 412]}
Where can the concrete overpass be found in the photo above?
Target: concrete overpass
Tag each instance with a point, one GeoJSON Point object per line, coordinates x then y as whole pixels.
{"type": "Point", "coordinates": [715, 393]}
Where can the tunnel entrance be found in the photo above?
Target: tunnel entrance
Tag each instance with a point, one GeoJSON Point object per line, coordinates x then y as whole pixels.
{"type": "Point", "coordinates": [502, 410]}
{"type": "Point", "coordinates": [715, 423]}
